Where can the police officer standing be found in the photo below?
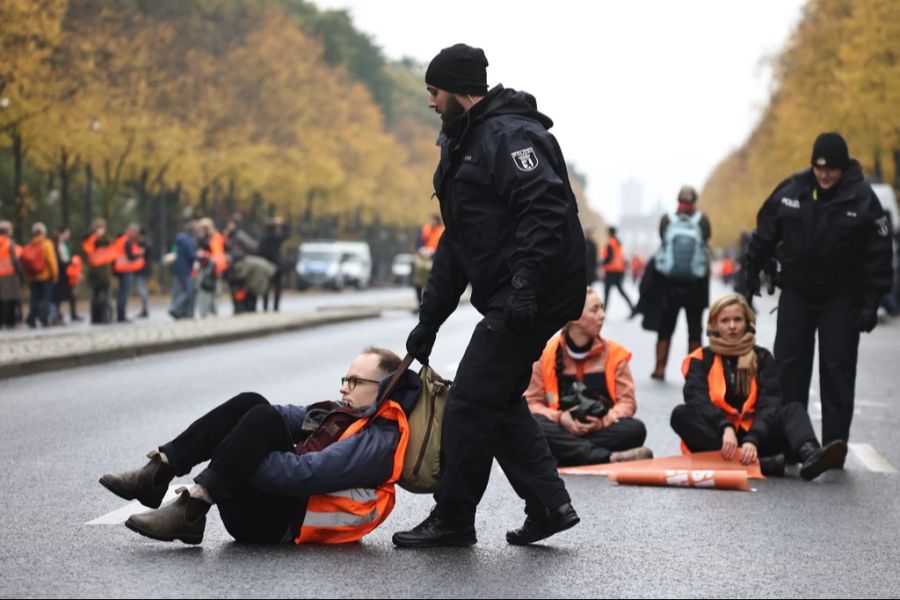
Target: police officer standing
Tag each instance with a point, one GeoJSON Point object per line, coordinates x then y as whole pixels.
{"type": "Point", "coordinates": [830, 235]}
{"type": "Point", "coordinates": [512, 232]}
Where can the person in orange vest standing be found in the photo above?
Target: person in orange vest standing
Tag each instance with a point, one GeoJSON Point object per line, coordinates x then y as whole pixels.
{"type": "Point", "coordinates": [11, 276]}
{"type": "Point", "coordinates": [41, 269]}
{"type": "Point", "coordinates": [100, 255]}
{"type": "Point", "coordinates": [427, 245]}
{"type": "Point", "coordinates": [431, 233]}
{"type": "Point", "coordinates": [614, 269]}
{"type": "Point", "coordinates": [129, 260]}
{"type": "Point", "coordinates": [582, 394]}
{"type": "Point", "coordinates": [322, 473]}
{"type": "Point", "coordinates": [733, 402]}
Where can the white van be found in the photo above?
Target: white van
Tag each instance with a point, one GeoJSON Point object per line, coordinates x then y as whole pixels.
{"type": "Point", "coordinates": [334, 264]}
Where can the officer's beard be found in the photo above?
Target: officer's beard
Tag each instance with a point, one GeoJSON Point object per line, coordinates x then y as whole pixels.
{"type": "Point", "coordinates": [451, 116]}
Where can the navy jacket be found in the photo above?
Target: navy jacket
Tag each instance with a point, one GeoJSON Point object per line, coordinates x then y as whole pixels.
{"type": "Point", "coordinates": [365, 459]}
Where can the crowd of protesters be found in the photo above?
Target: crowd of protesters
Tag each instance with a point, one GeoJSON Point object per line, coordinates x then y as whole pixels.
{"type": "Point", "coordinates": [40, 280]}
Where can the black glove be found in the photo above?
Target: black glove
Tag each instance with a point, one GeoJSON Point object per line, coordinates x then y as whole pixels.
{"type": "Point", "coordinates": [421, 341]}
{"type": "Point", "coordinates": [868, 318]}
{"type": "Point", "coordinates": [521, 305]}
{"type": "Point", "coordinates": [751, 282]}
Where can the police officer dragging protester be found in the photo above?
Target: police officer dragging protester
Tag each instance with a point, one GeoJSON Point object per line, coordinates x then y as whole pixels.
{"type": "Point", "coordinates": [512, 232]}
{"type": "Point", "coordinates": [831, 238]}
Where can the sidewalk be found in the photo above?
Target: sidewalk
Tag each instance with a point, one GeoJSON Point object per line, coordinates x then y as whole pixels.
{"type": "Point", "coordinates": [26, 352]}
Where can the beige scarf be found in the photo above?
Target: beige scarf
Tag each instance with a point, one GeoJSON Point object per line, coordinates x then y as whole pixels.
{"type": "Point", "coordinates": [743, 349]}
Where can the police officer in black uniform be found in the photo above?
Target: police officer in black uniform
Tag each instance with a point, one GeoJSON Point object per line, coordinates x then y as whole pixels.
{"type": "Point", "coordinates": [831, 237]}
{"type": "Point", "coordinates": [512, 232]}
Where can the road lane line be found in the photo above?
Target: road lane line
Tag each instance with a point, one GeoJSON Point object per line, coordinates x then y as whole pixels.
{"type": "Point", "coordinates": [119, 516]}
{"type": "Point", "coordinates": [872, 459]}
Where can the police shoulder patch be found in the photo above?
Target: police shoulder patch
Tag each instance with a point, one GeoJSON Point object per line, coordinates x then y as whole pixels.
{"type": "Point", "coordinates": [525, 159]}
{"type": "Point", "coordinates": [884, 228]}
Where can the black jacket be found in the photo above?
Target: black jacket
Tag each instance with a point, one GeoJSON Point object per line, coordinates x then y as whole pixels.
{"type": "Point", "coordinates": [508, 209]}
{"type": "Point", "coordinates": [836, 248]}
{"type": "Point", "coordinates": [768, 395]}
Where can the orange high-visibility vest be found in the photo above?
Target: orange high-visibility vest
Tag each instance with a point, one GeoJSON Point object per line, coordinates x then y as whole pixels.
{"type": "Point", "coordinates": [617, 264]}
{"type": "Point", "coordinates": [122, 263]}
{"type": "Point", "coordinates": [348, 515]}
{"type": "Point", "coordinates": [217, 250]}
{"type": "Point", "coordinates": [97, 257]}
{"type": "Point", "coordinates": [716, 378]}
{"type": "Point", "coordinates": [616, 355]}
{"type": "Point", "coordinates": [431, 235]}
{"type": "Point", "coordinates": [6, 253]}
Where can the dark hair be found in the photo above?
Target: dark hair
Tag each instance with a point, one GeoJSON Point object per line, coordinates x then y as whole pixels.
{"type": "Point", "coordinates": [388, 362]}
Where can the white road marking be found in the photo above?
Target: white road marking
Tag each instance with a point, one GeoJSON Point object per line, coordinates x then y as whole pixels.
{"type": "Point", "coordinates": [119, 516]}
{"type": "Point", "coordinates": [872, 459]}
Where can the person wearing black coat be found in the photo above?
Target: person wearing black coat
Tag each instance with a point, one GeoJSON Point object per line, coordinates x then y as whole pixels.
{"type": "Point", "coordinates": [733, 401]}
{"type": "Point", "coordinates": [513, 233]}
{"type": "Point", "coordinates": [831, 237]}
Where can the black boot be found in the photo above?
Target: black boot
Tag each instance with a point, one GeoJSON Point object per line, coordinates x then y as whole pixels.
{"type": "Point", "coordinates": [562, 518]}
{"type": "Point", "coordinates": [772, 466]}
{"type": "Point", "coordinates": [148, 485]}
{"type": "Point", "coordinates": [434, 532]}
{"type": "Point", "coordinates": [819, 460]}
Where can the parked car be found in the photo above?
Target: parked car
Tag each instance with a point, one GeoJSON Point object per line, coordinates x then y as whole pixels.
{"type": "Point", "coordinates": [334, 264]}
{"type": "Point", "coordinates": [402, 269]}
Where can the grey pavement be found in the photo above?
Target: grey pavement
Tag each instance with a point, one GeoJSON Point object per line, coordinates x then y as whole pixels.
{"type": "Point", "coordinates": [834, 537]}
{"type": "Point", "coordinates": [26, 351]}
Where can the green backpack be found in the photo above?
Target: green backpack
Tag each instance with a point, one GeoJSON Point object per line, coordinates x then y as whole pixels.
{"type": "Point", "coordinates": [422, 462]}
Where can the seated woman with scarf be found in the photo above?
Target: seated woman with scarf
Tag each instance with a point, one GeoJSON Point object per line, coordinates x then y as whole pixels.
{"type": "Point", "coordinates": [733, 401]}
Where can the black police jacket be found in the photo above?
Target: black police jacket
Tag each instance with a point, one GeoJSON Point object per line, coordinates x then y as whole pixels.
{"type": "Point", "coordinates": [508, 210]}
{"type": "Point", "coordinates": [836, 248]}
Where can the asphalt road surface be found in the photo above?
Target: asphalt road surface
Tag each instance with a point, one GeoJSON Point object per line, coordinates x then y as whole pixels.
{"type": "Point", "coordinates": [61, 533]}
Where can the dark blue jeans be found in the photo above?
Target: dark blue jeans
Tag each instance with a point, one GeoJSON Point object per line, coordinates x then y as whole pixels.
{"type": "Point", "coordinates": [122, 295]}
{"type": "Point", "coordinates": [39, 306]}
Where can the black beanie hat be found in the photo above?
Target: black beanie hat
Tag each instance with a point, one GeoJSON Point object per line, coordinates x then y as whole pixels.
{"type": "Point", "coordinates": [830, 150]}
{"type": "Point", "coordinates": [459, 69]}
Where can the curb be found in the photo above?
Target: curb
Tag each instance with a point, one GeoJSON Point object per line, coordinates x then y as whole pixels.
{"type": "Point", "coordinates": [56, 352]}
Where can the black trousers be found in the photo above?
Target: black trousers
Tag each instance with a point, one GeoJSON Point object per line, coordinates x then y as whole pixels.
{"type": "Point", "coordinates": [794, 429]}
{"type": "Point", "coordinates": [275, 286]}
{"type": "Point", "coordinates": [614, 280]}
{"type": "Point", "coordinates": [235, 437]}
{"type": "Point", "coordinates": [795, 340]}
{"type": "Point", "coordinates": [487, 416]}
{"type": "Point", "coordinates": [8, 313]}
{"type": "Point", "coordinates": [571, 450]}
{"type": "Point", "coordinates": [669, 320]}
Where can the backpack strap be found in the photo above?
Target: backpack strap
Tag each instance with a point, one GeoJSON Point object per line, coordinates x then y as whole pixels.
{"type": "Point", "coordinates": [391, 387]}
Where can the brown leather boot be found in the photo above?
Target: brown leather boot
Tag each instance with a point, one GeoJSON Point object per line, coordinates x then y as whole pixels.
{"type": "Point", "coordinates": [148, 485]}
{"type": "Point", "coordinates": [662, 357]}
{"type": "Point", "coordinates": [182, 519]}
{"type": "Point", "coordinates": [639, 453]}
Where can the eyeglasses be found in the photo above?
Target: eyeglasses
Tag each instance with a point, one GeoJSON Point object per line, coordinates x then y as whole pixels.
{"type": "Point", "coordinates": [352, 381]}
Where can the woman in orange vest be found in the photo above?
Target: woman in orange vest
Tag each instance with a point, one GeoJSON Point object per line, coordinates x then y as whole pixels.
{"type": "Point", "coordinates": [322, 473]}
{"type": "Point", "coordinates": [614, 269]}
{"type": "Point", "coordinates": [733, 402]}
{"type": "Point", "coordinates": [11, 276]}
{"type": "Point", "coordinates": [582, 394]}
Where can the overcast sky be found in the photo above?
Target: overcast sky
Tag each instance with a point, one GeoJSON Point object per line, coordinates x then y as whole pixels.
{"type": "Point", "coordinates": [657, 91]}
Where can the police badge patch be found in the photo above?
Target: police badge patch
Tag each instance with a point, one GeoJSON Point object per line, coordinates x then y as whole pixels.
{"type": "Point", "coordinates": [525, 159]}
{"type": "Point", "coordinates": [883, 227]}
